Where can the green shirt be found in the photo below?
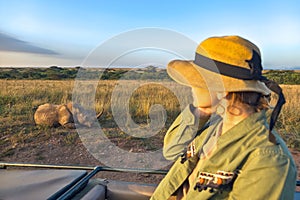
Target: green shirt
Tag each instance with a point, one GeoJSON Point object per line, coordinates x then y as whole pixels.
{"type": "Point", "coordinates": [265, 170]}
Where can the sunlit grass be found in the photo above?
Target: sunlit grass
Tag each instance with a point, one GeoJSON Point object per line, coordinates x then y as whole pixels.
{"type": "Point", "coordinates": [19, 98]}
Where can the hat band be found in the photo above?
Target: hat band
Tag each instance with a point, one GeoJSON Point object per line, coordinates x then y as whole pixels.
{"type": "Point", "coordinates": [226, 69]}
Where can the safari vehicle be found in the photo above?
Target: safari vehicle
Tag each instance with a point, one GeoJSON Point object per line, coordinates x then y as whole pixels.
{"type": "Point", "coordinates": [35, 181]}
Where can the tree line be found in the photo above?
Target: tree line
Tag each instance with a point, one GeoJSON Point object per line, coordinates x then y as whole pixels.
{"type": "Point", "coordinates": [150, 72]}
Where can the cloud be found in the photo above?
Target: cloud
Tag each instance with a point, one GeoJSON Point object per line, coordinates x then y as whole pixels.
{"type": "Point", "coordinates": [8, 43]}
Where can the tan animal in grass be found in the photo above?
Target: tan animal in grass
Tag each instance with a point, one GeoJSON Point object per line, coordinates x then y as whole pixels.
{"type": "Point", "coordinates": [63, 115]}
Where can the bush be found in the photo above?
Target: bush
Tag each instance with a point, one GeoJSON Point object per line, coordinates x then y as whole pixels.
{"type": "Point", "coordinates": [287, 77]}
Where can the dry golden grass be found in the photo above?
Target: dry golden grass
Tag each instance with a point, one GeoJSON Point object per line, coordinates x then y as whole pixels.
{"type": "Point", "coordinates": [289, 120]}
{"type": "Point", "coordinates": [19, 97]}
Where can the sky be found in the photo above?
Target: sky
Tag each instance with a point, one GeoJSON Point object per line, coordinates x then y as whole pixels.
{"type": "Point", "coordinates": [42, 33]}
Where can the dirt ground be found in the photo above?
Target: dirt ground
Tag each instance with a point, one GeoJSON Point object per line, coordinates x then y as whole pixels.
{"type": "Point", "coordinates": [64, 147]}
{"type": "Point", "coordinates": [60, 148]}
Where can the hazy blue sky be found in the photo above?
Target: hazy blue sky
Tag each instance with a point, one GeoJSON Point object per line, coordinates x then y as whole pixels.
{"type": "Point", "coordinates": [64, 32]}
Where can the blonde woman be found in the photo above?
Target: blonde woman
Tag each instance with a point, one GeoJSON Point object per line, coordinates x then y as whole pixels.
{"type": "Point", "coordinates": [224, 145]}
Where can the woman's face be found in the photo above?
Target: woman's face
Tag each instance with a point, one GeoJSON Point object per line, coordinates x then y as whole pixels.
{"type": "Point", "coordinates": [204, 98]}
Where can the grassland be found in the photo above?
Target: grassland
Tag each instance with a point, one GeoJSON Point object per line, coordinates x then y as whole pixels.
{"type": "Point", "coordinates": [19, 98]}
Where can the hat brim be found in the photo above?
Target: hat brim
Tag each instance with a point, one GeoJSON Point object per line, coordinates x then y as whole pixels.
{"type": "Point", "coordinates": [190, 74]}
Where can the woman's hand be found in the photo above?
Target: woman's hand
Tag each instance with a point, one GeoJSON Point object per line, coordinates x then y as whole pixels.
{"type": "Point", "coordinates": [204, 102]}
{"type": "Point", "coordinates": [203, 112]}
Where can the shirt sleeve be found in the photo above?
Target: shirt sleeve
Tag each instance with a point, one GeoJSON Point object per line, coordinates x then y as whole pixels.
{"type": "Point", "coordinates": [266, 176]}
{"type": "Point", "coordinates": [181, 133]}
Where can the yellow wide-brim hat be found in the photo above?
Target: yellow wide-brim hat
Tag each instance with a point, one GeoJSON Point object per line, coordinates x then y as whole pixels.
{"type": "Point", "coordinates": [228, 63]}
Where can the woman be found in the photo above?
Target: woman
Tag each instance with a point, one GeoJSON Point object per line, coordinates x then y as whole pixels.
{"type": "Point", "coordinates": [224, 145]}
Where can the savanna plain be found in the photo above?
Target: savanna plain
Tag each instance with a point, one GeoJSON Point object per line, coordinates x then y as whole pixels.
{"type": "Point", "coordinates": [23, 142]}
